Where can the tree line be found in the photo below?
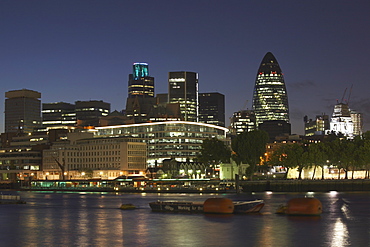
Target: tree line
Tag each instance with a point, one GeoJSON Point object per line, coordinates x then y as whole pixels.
{"type": "Point", "coordinates": [250, 148]}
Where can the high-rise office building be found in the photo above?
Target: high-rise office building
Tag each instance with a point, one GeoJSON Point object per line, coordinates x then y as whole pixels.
{"type": "Point", "coordinates": [22, 111]}
{"type": "Point", "coordinates": [140, 84]}
{"type": "Point", "coordinates": [270, 99]}
{"type": "Point", "coordinates": [316, 126]}
{"type": "Point", "coordinates": [357, 120]}
{"type": "Point", "coordinates": [242, 121]}
{"type": "Point", "coordinates": [88, 113]}
{"type": "Point", "coordinates": [140, 100]}
{"type": "Point", "coordinates": [212, 108]}
{"type": "Point", "coordinates": [59, 114]}
{"type": "Point", "coordinates": [183, 89]}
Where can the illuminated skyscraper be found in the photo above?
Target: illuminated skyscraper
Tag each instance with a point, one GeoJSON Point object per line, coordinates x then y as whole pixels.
{"type": "Point", "coordinates": [140, 100]}
{"type": "Point", "coordinates": [270, 99]}
{"type": "Point", "coordinates": [140, 83]}
{"type": "Point", "coordinates": [183, 89]}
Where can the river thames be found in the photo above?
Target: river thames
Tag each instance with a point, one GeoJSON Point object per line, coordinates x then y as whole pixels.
{"type": "Point", "coordinates": [94, 219]}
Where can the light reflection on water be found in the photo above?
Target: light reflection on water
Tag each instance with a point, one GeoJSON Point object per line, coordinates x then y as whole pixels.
{"type": "Point", "coordinates": [93, 219]}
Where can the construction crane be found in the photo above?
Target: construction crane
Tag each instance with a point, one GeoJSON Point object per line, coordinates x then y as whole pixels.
{"type": "Point", "coordinates": [244, 106]}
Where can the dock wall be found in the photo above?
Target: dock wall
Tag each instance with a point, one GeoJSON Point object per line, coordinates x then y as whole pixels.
{"type": "Point", "coordinates": [306, 185]}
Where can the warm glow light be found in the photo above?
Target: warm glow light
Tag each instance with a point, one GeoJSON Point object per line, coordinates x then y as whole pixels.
{"type": "Point", "coordinates": [333, 192]}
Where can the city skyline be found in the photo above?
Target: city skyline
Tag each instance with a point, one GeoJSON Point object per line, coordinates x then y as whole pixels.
{"type": "Point", "coordinates": [84, 50]}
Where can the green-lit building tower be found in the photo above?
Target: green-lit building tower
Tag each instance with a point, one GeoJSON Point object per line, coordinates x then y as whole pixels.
{"type": "Point", "coordinates": [270, 99]}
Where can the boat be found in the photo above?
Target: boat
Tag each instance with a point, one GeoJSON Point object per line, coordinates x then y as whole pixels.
{"type": "Point", "coordinates": [128, 206]}
{"type": "Point", "coordinates": [211, 205]}
{"type": "Point", "coordinates": [307, 206]}
{"type": "Point", "coordinates": [11, 199]}
{"type": "Point", "coordinates": [245, 207]}
{"type": "Point", "coordinates": [176, 206]}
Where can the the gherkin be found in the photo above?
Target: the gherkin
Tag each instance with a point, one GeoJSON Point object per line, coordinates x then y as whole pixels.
{"type": "Point", "coordinates": [270, 99]}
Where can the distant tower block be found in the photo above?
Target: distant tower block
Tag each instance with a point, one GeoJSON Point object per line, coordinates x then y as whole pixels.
{"type": "Point", "coordinates": [22, 111]}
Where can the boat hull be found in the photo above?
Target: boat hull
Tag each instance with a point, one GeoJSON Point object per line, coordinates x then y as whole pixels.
{"type": "Point", "coordinates": [173, 206]}
{"type": "Point", "coordinates": [212, 205]}
{"type": "Point", "coordinates": [248, 207]}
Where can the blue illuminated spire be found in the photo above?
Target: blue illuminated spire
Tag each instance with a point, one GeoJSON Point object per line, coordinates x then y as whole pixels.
{"type": "Point", "coordinates": [140, 70]}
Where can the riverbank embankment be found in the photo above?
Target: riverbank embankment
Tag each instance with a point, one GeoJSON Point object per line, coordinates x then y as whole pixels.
{"type": "Point", "coordinates": [342, 185]}
{"type": "Point", "coordinates": [306, 185]}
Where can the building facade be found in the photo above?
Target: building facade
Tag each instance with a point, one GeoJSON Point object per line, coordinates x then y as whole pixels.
{"type": "Point", "coordinates": [316, 126]}
{"type": "Point", "coordinates": [59, 114]}
{"type": "Point", "coordinates": [341, 121]}
{"type": "Point", "coordinates": [183, 89]}
{"type": "Point", "coordinates": [270, 99]}
{"type": "Point", "coordinates": [358, 123]}
{"type": "Point", "coordinates": [212, 108]}
{"type": "Point", "coordinates": [22, 111]}
{"type": "Point", "coordinates": [179, 140]}
{"type": "Point", "coordinates": [88, 113]}
{"type": "Point", "coordinates": [242, 121]}
{"type": "Point", "coordinates": [82, 156]}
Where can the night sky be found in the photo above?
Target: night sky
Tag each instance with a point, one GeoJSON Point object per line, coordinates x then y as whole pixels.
{"type": "Point", "coordinates": [84, 50]}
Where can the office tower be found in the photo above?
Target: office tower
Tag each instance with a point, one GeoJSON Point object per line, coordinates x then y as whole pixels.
{"type": "Point", "coordinates": [341, 121]}
{"type": "Point", "coordinates": [357, 123]}
{"type": "Point", "coordinates": [317, 126]}
{"type": "Point", "coordinates": [140, 84]}
{"type": "Point", "coordinates": [140, 100]}
{"type": "Point", "coordinates": [242, 121]}
{"type": "Point", "coordinates": [88, 113]}
{"type": "Point", "coordinates": [22, 111]}
{"type": "Point", "coordinates": [183, 89]}
{"type": "Point", "coordinates": [270, 100]}
{"type": "Point", "coordinates": [59, 114]}
{"type": "Point", "coordinates": [212, 108]}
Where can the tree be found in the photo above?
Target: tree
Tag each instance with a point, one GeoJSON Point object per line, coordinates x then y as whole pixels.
{"type": "Point", "coordinates": [317, 156]}
{"type": "Point", "coordinates": [248, 148]}
{"type": "Point", "coordinates": [290, 156]}
{"type": "Point", "coordinates": [214, 152]}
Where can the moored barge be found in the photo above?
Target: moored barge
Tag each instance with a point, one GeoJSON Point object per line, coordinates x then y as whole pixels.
{"type": "Point", "coordinates": [211, 205]}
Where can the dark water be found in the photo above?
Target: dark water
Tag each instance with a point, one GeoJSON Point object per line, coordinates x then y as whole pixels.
{"type": "Point", "coordinates": [93, 219]}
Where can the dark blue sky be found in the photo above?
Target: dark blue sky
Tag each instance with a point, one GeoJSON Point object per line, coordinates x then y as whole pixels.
{"type": "Point", "coordinates": [84, 50]}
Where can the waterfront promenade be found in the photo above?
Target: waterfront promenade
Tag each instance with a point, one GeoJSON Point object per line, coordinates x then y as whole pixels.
{"type": "Point", "coordinates": [194, 186]}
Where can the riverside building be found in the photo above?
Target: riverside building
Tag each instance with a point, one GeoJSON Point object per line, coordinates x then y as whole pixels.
{"type": "Point", "coordinates": [180, 140]}
{"type": "Point", "coordinates": [82, 157]}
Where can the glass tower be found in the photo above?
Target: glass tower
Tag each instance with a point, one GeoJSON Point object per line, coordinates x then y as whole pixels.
{"type": "Point", "coordinates": [183, 89]}
{"type": "Point", "coordinates": [270, 99]}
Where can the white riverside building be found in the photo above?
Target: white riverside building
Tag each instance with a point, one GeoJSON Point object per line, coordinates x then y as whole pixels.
{"type": "Point", "coordinates": [180, 140]}
{"type": "Point", "coordinates": [84, 156]}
